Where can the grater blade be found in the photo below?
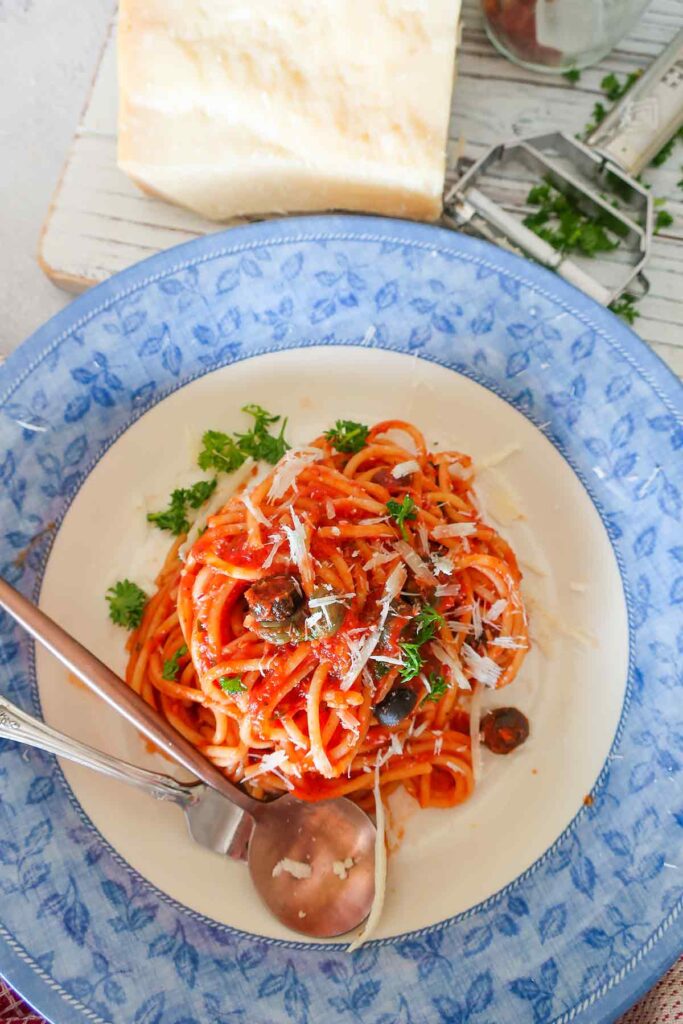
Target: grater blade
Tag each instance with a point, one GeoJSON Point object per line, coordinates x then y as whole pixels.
{"type": "Point", "coordinates": [490, 198]}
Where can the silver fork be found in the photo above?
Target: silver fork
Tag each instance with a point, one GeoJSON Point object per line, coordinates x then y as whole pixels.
{"type": "Point", "coordinates": [211, 820]}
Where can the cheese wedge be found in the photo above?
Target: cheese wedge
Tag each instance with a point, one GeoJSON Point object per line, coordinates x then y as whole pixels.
{"type": "Point", "coordinates": [233, 107]}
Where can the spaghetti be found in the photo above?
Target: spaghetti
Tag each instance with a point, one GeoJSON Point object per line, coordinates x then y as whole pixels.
{"type": "Point", "coordinates": [338, 617]}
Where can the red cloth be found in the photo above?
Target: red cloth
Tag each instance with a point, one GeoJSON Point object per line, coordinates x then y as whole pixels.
{"type": "Point", "coordinates": [663, 1004]}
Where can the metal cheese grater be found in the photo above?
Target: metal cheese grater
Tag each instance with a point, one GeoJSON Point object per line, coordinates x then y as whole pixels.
{"type": "Point", "coordinates": [599, 175]}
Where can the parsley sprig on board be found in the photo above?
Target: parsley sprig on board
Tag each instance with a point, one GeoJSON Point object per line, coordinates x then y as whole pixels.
{"type": "Point", "coordinates": [126, 602]}
{"type": "Point", "coordinates": [226, 453]}
{"type": "Point", "coordinates": [174, 518]}
{"type": "Point", "coordinates": [560, 222]}
{"type": "Point", "coordinates": [402, 510]}
{"type": "Point", "coordinates": [625, 307]}
{"type": "Point", "coordinates": [347, 436]}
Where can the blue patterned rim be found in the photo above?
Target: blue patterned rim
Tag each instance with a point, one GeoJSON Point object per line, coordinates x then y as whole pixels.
{"type": "Point", "coordinates": [589, 926]}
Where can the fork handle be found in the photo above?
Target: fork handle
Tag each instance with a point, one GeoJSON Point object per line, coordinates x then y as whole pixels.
{"type": "Point", "coordinates": [21, 727]}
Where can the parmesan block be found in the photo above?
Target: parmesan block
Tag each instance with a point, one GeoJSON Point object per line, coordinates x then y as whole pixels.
{"type": "Point", "coordinates": [232, 107]}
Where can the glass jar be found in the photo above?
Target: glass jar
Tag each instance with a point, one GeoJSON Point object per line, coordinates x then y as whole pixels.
{"type": "Point", "coordinates": [558, 35]}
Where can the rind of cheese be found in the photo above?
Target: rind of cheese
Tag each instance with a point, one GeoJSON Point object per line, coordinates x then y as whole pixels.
{"type": "Point", "coordinates": [234, 107]}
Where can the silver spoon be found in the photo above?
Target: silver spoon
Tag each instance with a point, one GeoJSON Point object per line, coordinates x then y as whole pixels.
{"type": "Point", "coordinates": [318, 835]}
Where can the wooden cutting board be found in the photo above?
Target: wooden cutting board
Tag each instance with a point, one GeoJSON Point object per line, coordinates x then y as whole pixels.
{"type": "Point", "coordinates": [99, 222]}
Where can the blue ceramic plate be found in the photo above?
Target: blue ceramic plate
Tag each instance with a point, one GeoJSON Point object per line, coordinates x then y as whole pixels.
{"type": "Point", "coordinates": [89, 931]}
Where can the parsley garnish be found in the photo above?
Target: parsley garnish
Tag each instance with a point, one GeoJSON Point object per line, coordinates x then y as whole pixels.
{"type": "Point", "coordinates": [257, 442]}
{"type": "Point", "coordinates": [438, 687]}
{"type": "Point", "coordinates": [172, 665]}
{"type": "Point", "coordinates": [174, 518]}
{"type": "Point", "coordinates": [412, 661]}
{"type": "Point", "coordinates": [614, 89]}
{"type": "Point", "coordinates": [226, 454]}
{"type": "Point", "coordinates": [126, 604]}
{"type": "Point", "coordinates": [231, 684]}
{"type": "Point", "coordinates": [400, 511]}
{"type": "Point", "coordinates": [573, 75]}
{"type": "Point", "coordinates": [662, 220]}
{"type": "Point", "coordinates": [425, 624]}
{"type": "Point", "coordinates": [220, 452]}
{"type": "Point", "coordinates": [625, 307]}
{"type": "Point", "coordinates": [347, 436]}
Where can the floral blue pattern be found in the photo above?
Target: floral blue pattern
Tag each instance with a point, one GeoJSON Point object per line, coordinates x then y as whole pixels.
{"type": "Point", "coordinates": [593, 921]}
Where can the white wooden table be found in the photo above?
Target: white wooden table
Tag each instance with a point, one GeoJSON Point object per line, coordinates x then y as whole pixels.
{"type": "Point", "coordinates": [100, 223]}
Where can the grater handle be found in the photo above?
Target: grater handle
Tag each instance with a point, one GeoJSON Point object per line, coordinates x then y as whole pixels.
{"type": "Point", "coordinates": [649, 114]}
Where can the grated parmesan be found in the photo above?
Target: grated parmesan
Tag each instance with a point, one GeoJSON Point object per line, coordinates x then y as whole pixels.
{"type": "Point", "coordinates": [414, 562]}
{"type": "Point", "coordinates": [288, 469]}
{"type": "Point", "coordinates": [268, 763]}
{"type": "Point", "coordinates": [298, 545]}
{"type": "Point", "coordinates": [423, 534]}
{"type": "Point", "coordinates": [322, 602]}
{"type": "Point", "coordinates": [273, 551]}
{"type": "Point", "coordinates": [296, 868]}
{"type": "Point", "coordinates": [476, 620]}
{"type": "Point", "coordinates": [484, 669]}
{"type": "Point", "coordinates": [379, 558]}
{"type": "Point", "coordinates": [255, 512]}
{"type": "Point", "coordinates": [496, 610]}
{"type": "Point", "coordinates": [451, 661]}
{"type": "Point", "coordinates": [380, 870]}
{"type": "Point", "coordinates": [454, 530]}
{"type": "Point", "coordinates": [443, 565]}
{"type": "Point", "coordinates": [362, 649]}
{"type": "Point", "coordinates": [402, 469]}
{"type": "Point", "coordinates": [514, 643]}
{"type": "Point", "coordinates": [341, 868]}
{"type": "Point", "coordinates": [330, 510]}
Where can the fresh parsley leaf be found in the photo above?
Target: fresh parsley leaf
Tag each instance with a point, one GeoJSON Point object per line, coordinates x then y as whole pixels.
{"type": "Point", "coordinates": [225, 453]}
{"type": "Point", "coordinates": [625, 307]}
{"type": "Point", "coordinates": [231, 684]}
{"type": "Point", "coordinates": [438, 687]}
{"type": "Point", "coordinates": [599, 115]}
{"type": "Point", "coordinates": [614, 89]}
{"type": "Point", "coordinates": [573, 75]}
{"type": "Point", "coordinates": [347, 436]}
{"type": "Point", "coordinates": [258, 442]}
{"type": "Point", "coordinates": [412, 661]}
{"type": "Point", "coordinates": [220, 452]}
{"type": "Point", "coordinates": [400, 511]}
{"type": "Point", "coordinates": [424, 627]}
{"type": "Point", "coordinates": [172, 665]}
{"type": "Point", "coordinates": [174, 518]}
{"type": "Point", "coordinates": [126, 604]}
{"type": "Point", "coordinates": [426, 622]}
{"type": "Point", "coordinates": [200, 492]}
{"type": "Point", "coordinates": [662, 220]}
{"type": "Point", "coordinates": [665, 152]}
{"type": "Point", "coordinates": [560, 221]}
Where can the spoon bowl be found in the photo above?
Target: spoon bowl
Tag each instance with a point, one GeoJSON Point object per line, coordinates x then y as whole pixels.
{"type": "Point", "coordinates": [332, 845]}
